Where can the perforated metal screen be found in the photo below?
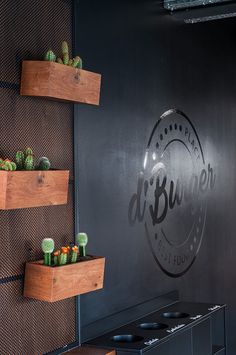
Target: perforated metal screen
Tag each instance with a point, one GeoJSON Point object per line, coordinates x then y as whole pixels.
{"type": "Point", "coordinates": [28, 28]}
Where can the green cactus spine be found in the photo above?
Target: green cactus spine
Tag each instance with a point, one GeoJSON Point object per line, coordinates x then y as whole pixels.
{"type": "Point", "coordinates": [44, 164]}
{"type": "Point", "coordinates": [50, 56]}
{"type": "Point", "coordinates": [60, 61]}
{"type": "Point", "coordinates": [47, 248]}
{"type": "Point", "coordinates": [70, 63]}
{"type": "Point", "coordinates": [20, 159]}
{"type": "Point", "coordinates": [81, 241]}
{"type": "Point", "coordinates": [29, 162]}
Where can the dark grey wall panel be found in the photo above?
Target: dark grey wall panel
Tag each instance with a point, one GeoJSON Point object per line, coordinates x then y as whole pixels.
{"type": "Point", "coordinates": [151, 63]}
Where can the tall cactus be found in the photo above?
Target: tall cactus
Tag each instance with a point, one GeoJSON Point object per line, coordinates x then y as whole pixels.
{"type": "Point", "coordinates": [47, 247]}
{"type": "Point", "coordinates": [28, 151]}
{"type": "Point", "coordinates": [65, 52]}
{"type": "Point", "coordinates": [74, 254]}
{"type": "Point", "coordinates": [20, 159]}
{"type": "Point", "coordinates": [29, 162]}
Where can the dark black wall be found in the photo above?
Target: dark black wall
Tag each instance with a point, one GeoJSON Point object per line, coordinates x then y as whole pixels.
{"type": "Point", "coordinates": [150, 63]}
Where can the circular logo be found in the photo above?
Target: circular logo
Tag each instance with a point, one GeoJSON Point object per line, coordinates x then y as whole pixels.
{"type": "Point", "coordinates": [171, 193]}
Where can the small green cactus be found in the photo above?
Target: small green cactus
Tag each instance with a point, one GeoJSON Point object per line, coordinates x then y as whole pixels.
{"type": "Point", "coordinates": [1, 161]}
{"type": "Point", "coordinates": [29, 162]}
{"type": "Point", "coordinates": [74, 254]}
{"type": "Point", "coordinates": [47, 248]}
{"type": "Point", "coordinates": [43, 164]}
{"type": "Point", "coordinates": [50, 56]}
{"type": "Point", "coordinates": [64, 47]}
{"type": "Point", "coordinates": [81, 242]}
{"type": "Point", "coordinates": [66, 58]}
{"type": "Point", "coordinates": [60, 61]}
{"type": "Point", "coordinates": [28, 151]}
{"type": "Point", "coordinates": [70, 63]}
{"type": "Point", "coordinates": [13, 165]}
{"type": "Point", "coordinates": [7, 165]}
{"type": "Point", "coordinates": [77, 62]}
{"type": "Point", "coordinates": [20, 159]}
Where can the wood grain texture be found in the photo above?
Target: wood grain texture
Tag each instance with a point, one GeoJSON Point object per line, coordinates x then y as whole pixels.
{"type": "Point", "coordinates": [57, 81]}
{"type": "Point", "coordinates": [23, 189]}
{"type": "Point", "coordinates": [84, 350]}
{"type": "Point", "coordinates": [52, 284]}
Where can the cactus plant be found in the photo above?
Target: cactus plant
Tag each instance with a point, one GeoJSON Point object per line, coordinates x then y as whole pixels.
{"type": "Point", "coordinates": [56, 256]}
{"type": "Point", "coordinates": [7, 164]}
{"type": "Point", "coordinates": [63, 256]}
{"type": "Point", "coordinates": [70, 63]}
{"type": "Point", "coordinates": [60, 61]}
{"type": "Point", "coordinates": [47, 247]}
{"type": "Point", "coordinates": [77, 62]}
{"type": "Point", "coordinates": [74, 254]}
{"type": "Point", "coordinates": [43, 164]}
{"type": "Point", "coordinates": [50, 56]}
{"type": "Point", "coordinates": [66, 58]}
{"type": "Point", "coordinates": [20, 159]}
{"type": "Point", "coordinates": [13, 165]}
{"type": "Point", "coordinates": [28, 151]}
{"type": "Point", "coordinates": [81, 242]}
{"type": "Point", "coordinates": [64, 47]}
{"type": "Point", "coordinates": [29, 162]}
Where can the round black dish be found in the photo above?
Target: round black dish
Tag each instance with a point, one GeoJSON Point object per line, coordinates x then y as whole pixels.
{"type": "Point", "coordinates": [127, 338]}
{"type": "Point", "coordinates": [152, 326]}
{"type": "Point", "coordinates": [175, 315]}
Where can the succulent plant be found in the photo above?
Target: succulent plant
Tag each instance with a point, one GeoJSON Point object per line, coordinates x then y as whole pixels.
{"type": "Point", "coordinates": [29, 162]}
{"type": "Point", "coordinates": [43, 164]}
{"type": "Point", "coordinates": [50, 56]}
{"type": "Point", "coordinates": [20, 159]}
{"type": "Point", "coordinates": [81, 242]}
{"type": "Point", "coordinates": [47, 248]}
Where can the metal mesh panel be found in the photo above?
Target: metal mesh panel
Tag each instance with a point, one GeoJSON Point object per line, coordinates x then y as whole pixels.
{"type": "Point", "coordinates": [28, 28]}
{"type": "Point", "coordinates": [33, 327]}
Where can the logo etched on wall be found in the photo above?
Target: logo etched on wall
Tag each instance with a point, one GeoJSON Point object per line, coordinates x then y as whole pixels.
{"type": "Point", "coordinates": [171, 197]}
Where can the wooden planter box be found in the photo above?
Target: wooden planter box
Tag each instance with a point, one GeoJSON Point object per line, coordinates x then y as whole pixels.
{"type": "Point", "coordinates": [58, 81]}
{"type": "Point", "coordinates": [54, 283]}
{"type": "Point", "coordinates": [23, 189]}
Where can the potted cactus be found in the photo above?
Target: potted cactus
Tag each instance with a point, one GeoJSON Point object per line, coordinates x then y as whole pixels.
{"type": "Point", "coordinates": [26, 183]}
{"type": "Point", "coordinates": [60, 77]}
{"type": "Point", "coordinates": [63, 273]}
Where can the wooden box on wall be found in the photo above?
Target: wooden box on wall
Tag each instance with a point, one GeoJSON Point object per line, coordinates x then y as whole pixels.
{"type": "Point", "coordinates": [57, 81]}
{"type": "Point", "coordinates": [54, 283]}
{"type": "Point", "coordinates": [24, 189]}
